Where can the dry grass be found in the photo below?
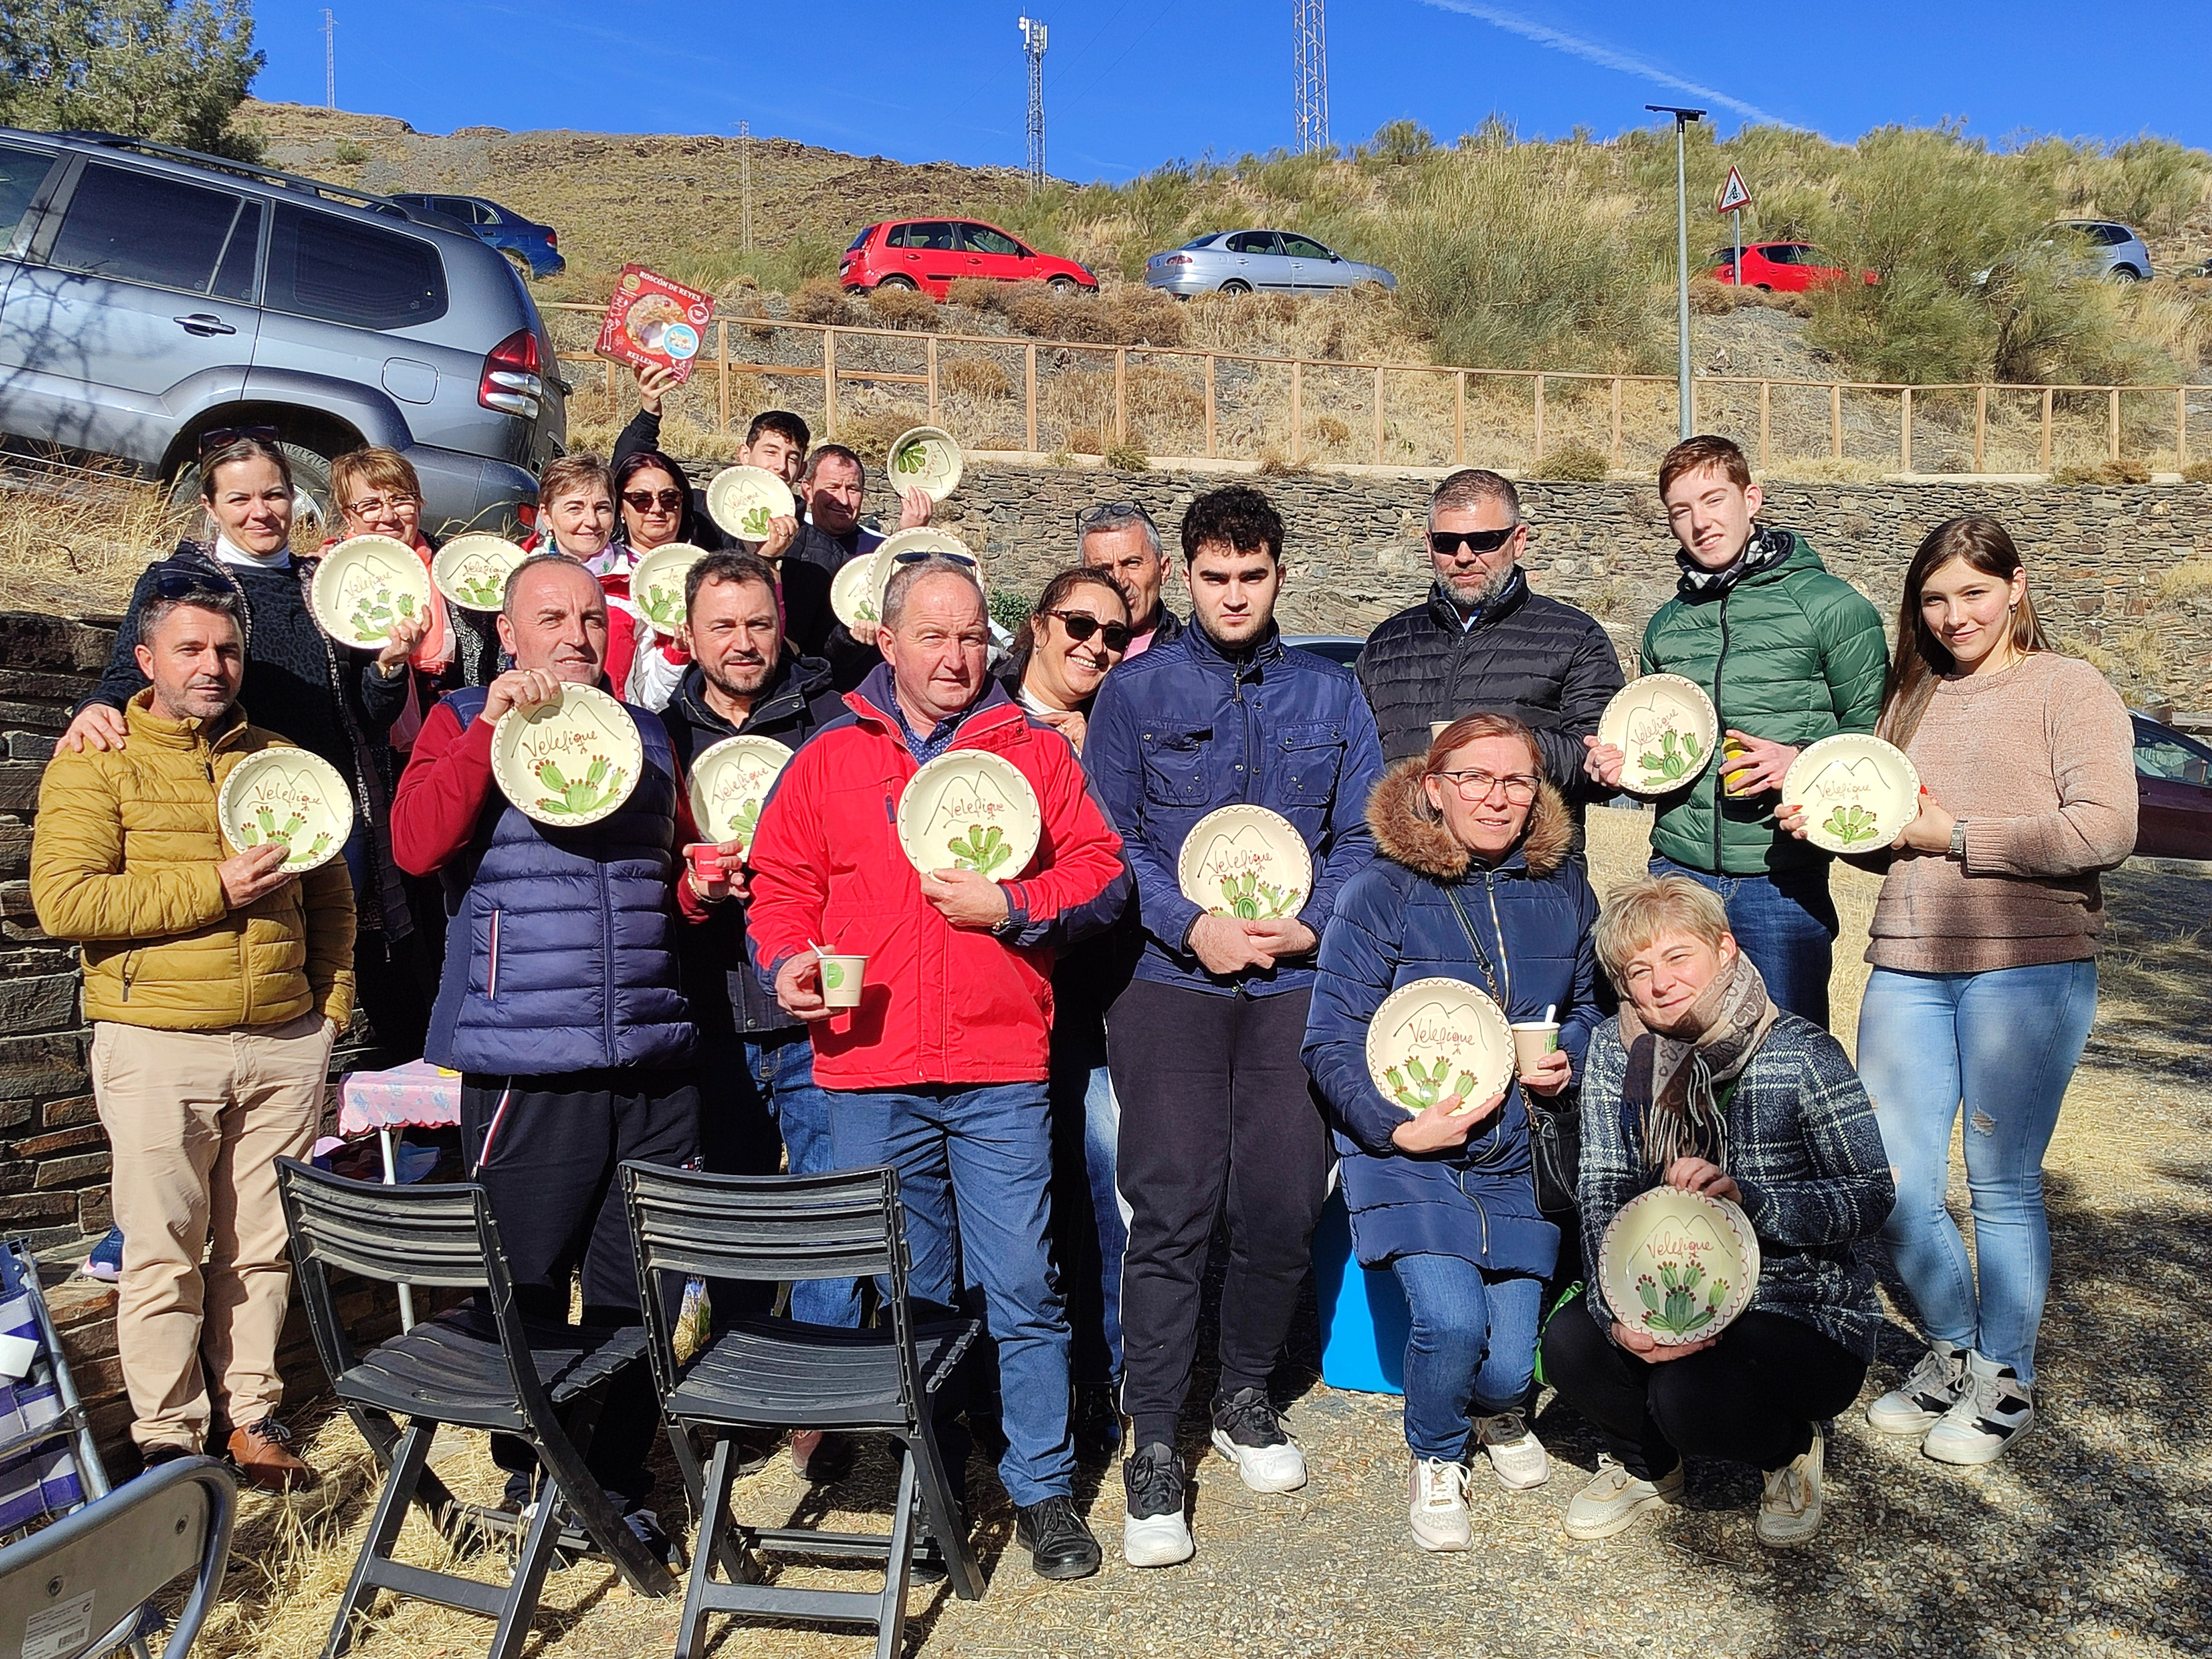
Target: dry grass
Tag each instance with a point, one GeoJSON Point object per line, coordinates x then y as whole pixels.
{"type": "Point", "coordinates": [73, 538]}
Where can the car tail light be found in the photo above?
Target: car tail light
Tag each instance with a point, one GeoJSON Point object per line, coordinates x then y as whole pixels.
{"type": "Point", "coordinates": [552, 238]}
{"type": "Point", "coordinates": [511, 381]}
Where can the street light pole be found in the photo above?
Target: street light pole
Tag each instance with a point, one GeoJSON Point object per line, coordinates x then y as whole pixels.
{"type": "Point", "coordinates": [1682, 119]}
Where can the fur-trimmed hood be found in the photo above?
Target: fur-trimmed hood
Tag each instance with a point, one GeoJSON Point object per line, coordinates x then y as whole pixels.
{"type": "Point", "coordinates": [1406, 833]}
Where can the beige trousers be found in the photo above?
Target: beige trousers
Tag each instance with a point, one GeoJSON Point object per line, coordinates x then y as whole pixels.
{"type": "Point", "coordinates": [197, 1120]}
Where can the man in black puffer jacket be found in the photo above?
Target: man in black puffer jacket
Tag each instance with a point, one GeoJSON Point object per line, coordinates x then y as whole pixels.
{"type": "Point", "coordinates": [1483, 641]}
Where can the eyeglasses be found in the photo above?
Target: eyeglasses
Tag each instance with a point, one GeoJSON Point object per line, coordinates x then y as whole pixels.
{"type": "Point", "coordinates": [1081, 625]}
{"type": "Point", "coordinates": [1520, 787]}
{"type": "Point", "coordinates": [1445, 543]}
{"type": "Point", "coordinates": [377, 506]}
{"type": "Point", "coordinates": [1122, 511]}
{"type": "Point", "coordinates": [642, 500]}
{"type": "Point", "coordinates": [218, 437]}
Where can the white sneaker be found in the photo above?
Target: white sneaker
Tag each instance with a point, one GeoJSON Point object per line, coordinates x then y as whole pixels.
{"type": "Point", "coordinates": [1437, 1504]}
{"type": "Point", "coordinates": [1154, 1532]}
{"type": "Point", "coordinates": [1914, 1406]}
{"type": "Point", "coordinates": [1789, 1508]}
{"type": "Point", "coordinates": [1615, 1500]}
{"type": "Point", "coordinates": [1514, 1452]}
{"type": "Point", "coordinates": [1994, 1409]}
{"type": "Point", "coordinates": [1247, 1433]}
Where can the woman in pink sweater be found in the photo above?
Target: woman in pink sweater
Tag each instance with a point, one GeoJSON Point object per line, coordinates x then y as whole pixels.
{"type": "Point", "coordinates": [1985, 983]}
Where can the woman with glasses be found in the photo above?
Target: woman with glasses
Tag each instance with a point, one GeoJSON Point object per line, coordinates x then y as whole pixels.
{"type": "Point", "coordinates": [1472, 882]}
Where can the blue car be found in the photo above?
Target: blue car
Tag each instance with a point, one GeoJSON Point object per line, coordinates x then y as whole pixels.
{"type": "Point", "coordinates": [534, 250]}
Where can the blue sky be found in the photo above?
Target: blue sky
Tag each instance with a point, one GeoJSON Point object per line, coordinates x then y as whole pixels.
{"type": "Point", "coordinates": [1130, 83]}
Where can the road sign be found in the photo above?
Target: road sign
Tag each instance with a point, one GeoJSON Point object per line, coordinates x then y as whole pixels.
{"type": "Point", "coordinates": [1734, 196]}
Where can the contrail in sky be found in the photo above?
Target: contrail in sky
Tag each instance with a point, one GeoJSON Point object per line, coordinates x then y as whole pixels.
{"type": "Point", "coordinates": [1603, 56]}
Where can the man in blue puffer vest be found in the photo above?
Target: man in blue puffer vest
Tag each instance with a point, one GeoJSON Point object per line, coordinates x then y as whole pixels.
{"type": "Point", "coordinates": [559, 1002]}
{"type": "Point", "coordinates": [1216, 1110]}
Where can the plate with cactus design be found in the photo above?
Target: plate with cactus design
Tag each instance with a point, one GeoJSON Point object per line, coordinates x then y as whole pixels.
{"type": "Point", "coordinates": [854, 596]}
{"type": "Point", "coordinates": [1665, 727]}
{"type": "Point", "coordinates": [927, 458]}
{"type": "Point", "coordinates": [901, 548]}
{"type": "Point", "coordinates": [1245, 862]}
{"type": "Point", "coordinates": [742, 499]}
{"type": "Point", "coordinates": [656, 581]}
{"type": "Point", "coordinates": [364, 586]}
{"type": "Point", "coordinates": [970, 809]}
{"type": "Point", "coordinates": [290, 796]}
{"type": "Point", "coordinates": [729, 781]}
{"type": "Point", "coordinates": [1858, 793]}
{"type": "Point", "coordinates": [1677, 1265]}
{"type": "Point", "coordinates": [472, 570]}
{"type": "Point", "coordinates": [1435, 1039]}
{"type": "Point", "coordinates": [567, 763]}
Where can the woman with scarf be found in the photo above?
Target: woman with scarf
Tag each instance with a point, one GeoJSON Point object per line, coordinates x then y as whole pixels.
{"type": "Point", "coordinates": [1471, 881]}
{"type": "Point", "coordinates": [1705, 1085]}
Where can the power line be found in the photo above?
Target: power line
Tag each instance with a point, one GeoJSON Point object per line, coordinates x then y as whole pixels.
{"type": "Point", "coordinates": [1309, 42]}
{"type": "Point", "coordinates": [1033, 33]}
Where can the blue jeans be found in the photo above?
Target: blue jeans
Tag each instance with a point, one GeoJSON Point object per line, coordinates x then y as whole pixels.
{"type": "Point", "coordinates": [1785, 923]}
{"type": "Point", "coordinates": [2004, 1045]}
{"type": "Point", "coordinates": [974, 1169]}
{"type": "Point", "coordinates": [758, 1109]}
{"type": "Point", "coordinates": [1472, 1344]}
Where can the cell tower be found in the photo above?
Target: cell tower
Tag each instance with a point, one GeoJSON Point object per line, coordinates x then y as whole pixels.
{"type": "Point", "coordinates": [1311, 41]}
{"type": "Point", "coordinates": [330, 60]}
{"type": "Point", "coordinates": [1033, 48]}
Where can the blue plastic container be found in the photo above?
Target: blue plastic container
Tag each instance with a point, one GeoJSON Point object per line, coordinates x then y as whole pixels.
{"type": "Point", "coordinates": [1364, 1319]}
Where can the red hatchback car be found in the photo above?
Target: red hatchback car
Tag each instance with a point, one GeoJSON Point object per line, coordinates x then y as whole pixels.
{"type": "Point", "coordinates": [929, 253]}
{"type": "Point", "coordinates": [1782, 267]}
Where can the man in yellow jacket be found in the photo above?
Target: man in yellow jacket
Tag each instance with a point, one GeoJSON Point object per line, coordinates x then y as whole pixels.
{"type": "Point", "coordinates": [215, 984]}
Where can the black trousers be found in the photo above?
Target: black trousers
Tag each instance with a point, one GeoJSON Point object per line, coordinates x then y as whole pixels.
{"type": "Point", "coordinates": [1217, 1112]}
{"type": "Point", "coordinates": [547, 1149]}
{"type": "Point", "coordinates": [1753, 1397]}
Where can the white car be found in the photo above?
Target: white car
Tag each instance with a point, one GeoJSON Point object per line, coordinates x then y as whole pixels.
{"type": "Point", "coordinates": [1248, 261]}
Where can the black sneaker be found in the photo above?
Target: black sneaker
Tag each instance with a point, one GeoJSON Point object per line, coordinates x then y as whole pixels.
{"type": "Point", "coordinates": [1156, 1533]}
{"type": "Point", "coordinates": [1095, 1422]}
{"type": "Point", "coordinates": [1247, 1433]}
{"type": "Point", "coordinates": [1058, 1539]}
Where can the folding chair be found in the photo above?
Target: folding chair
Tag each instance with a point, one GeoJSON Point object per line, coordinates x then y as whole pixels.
{"type": "Point", "coordinates": [776, 1373]}
{"type": "Point", "coordinates": [78, 1587]}
{"type": "Point", "coordinates": [546, 1383]}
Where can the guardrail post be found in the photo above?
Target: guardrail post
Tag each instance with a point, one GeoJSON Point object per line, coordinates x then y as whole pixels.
{"type": "Point", "coordinates": [2046, 429]}
{"type": "Point", "coordinates": [1981, 424]}
{"type": "Point", "coordinates": [1766, 420]}
{"type": "Point", "coordinates": [1540, 417]}
{"type": "Point", "coordinates": [1120, 394]}
{"type": "Point", "coordinates": [2180, 426]}
{"type": "Point", "coordinates": [1459, 418]}
{"type": "Point", "coordinates": [1836, 421]}
{"type": "Point", "coordinates": [1298, 411]}
{"type": "Point", "coordinates": [1378, 414]}
{"type": "Point", "coordinates": [722, 368]}
{"type": "Point", "coordinates": [1616, 423]}
{"type": "Point", "coordinates": [829, 381]}
{"type": "Point", "coordinates": [1029, 400]}
{"type": "Point", "coordinates": [1209, 406]}
{"type": "Point", "coordinates": [2112, 421]}
{"type": "Point", "coordinates": [932, 344]}
{"type": "Point", "coordinates": [1905, 431]}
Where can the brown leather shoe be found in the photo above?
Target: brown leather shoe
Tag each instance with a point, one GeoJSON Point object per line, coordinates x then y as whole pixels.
{"type": "Point", "coordinates": [258, 1455]}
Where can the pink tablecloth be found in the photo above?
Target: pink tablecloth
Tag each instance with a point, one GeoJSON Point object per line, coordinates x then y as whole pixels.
{"type": "Point", "coordinates": [417, 1095]}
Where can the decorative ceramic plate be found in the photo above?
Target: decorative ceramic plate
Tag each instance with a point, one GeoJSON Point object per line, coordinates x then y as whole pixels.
{"type": "Point", "coordinates": [363, 586]}
{"type": "Point", "coordinates": [729, 780]}
{"type": "Point", "coordinates": [1858, 793]}
{"type": "Point", "coordinates": [567, 763]}
{"type": "Point", "coordinates": [888, 555]}
{"type": "Point", "coordinates": [1246, 862]}
{"type": "Point", "coordinates": [1665, 727]}
{"type": "Point", "coordinates": [927, 458]}
{"type": "Point", "coordinates": [852, 594]}
{"type": "Point", "coordinates": [970, 809]}
{"type": "Point", "coordinates": [656, 583]}
{"type": "Point", "coordinates": [472, 570]}
{"type": "Point", "coordinates": [1435, 1037]}
{"type": "Point", "coordinates": [1677, 1265]}
{"type": "Point", "coordinates": [742, 499]}
{"type": "Point", "coordinates": [288, 795]}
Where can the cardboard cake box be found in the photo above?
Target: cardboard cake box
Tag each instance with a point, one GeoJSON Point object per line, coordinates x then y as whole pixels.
{"type": "Point", "coordinates": [653, 321]}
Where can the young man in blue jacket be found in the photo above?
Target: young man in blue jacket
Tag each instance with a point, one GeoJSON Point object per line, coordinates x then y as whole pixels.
{"type": "Point", "coordinates": [1216, 1104]}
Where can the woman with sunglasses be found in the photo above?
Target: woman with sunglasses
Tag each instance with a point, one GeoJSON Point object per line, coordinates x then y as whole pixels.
{"type": "Point", "coordinates": [1471, 881]}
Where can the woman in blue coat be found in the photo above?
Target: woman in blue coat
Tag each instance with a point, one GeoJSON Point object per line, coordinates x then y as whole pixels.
{"type": "Point", "coordinates": [1473, 882]}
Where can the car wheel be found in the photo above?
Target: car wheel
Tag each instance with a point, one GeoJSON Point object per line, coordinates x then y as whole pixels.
{"type": "Point", "coordinates": [2126, 274]}
{"type": "Point", "coordinates": [1763, 288]}
{"type": "Point", "coordinates": [1233, 286]}
{"type": "Point", "coordinates": [521, 264]}
{"type": "Point", "coordinates": [1063, 286]}
{"type": "Point", "coordinates": [314, 513]}
{"type": "Point", "coordinates": [897, 282]}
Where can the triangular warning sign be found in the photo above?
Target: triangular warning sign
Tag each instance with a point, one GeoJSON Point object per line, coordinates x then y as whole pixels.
{"type": "Point", "coordinates": [1733, 196]}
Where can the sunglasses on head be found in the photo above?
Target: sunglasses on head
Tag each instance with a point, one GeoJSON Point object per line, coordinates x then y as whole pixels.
{"type": "Point", "coordinates": [1081, 625]}
{"type": "Point", "coordinates": [181, 582]}
{"type": "Point", "coordinates": [1124, 510]}
{"type": "Point", "coordinates": [1445, 543]}
{"type": "Point", "coordinates": [642, 500]}
{"type": "Point", "coordinates": [219, 437]}
{"type": "Point", "coordinates": [916, 555]}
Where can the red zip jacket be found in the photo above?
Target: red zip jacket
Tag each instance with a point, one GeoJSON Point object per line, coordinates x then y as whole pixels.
{"type": "Point", "coordinates": [941, 1003]}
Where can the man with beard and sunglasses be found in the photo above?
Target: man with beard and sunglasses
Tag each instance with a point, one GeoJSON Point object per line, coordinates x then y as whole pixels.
{"type": "Point", "coordinates": [1483, 641]}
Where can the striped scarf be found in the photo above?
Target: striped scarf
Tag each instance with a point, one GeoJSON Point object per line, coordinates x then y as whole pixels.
{"type": "Point", "coordinates": [1673, 1093]}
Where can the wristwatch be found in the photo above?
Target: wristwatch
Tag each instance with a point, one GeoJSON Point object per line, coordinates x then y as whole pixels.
{"type": "Point", "coordinates": [1959, 840]}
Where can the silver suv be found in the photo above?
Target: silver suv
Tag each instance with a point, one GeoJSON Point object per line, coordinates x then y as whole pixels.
{"type": "Point", "coordinates": [151, 296]}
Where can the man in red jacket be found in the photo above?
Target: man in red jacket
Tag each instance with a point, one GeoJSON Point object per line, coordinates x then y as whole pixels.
{"type": "Point", "coordinates": [940, 1071]}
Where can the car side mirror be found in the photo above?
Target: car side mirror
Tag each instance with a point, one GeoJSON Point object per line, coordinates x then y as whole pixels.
{"type": "Point", "coordinates": [1336, 259]}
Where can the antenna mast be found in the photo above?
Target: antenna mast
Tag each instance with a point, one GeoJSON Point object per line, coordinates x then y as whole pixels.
{"type": "Point", "coordinates": [1033, 49]}
{"type": "Point", "coordinates": [1310, 41]}
{"type": "Point", "coordinates": [746, 176]}
{"type": "Point", "coordinates": [330, 60]}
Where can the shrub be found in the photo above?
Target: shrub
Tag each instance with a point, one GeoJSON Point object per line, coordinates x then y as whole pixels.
{"type": "Point", "coordinates": [2082, 474]}
{"type": "Point", "coordinates": [2197, 473]}
{"type": "Point", "coordinates": [1128, 457]}
{"type": "Point", "coordinates": [1575, 462]}
{"type": "Point", "coordinates": [977, 377]}
{"type": "Point", "coordinates": [901, 307]}
{"type": "Point", "coordinates": [819, 299]}
{"type": "Point", "coordinates": [1710, 297]}
{"type": "Point", "coordinates": [348, 154]}
{"type": "Point", "coordinates": [976, 292]}
{"type": "Point", "coordinates": [1009, 609]}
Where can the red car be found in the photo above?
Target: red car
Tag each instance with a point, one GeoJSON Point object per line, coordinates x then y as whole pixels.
{"type": "Point", "coordinates": [2174, 793]}
{"type": "Point", "coordinates": [929, 253]}
{"type": "Point", "coordinates": [1781, 267]}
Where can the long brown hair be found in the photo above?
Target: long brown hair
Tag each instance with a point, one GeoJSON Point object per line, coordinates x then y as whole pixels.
{"type": "Point", "coordinates": [1922, 658]}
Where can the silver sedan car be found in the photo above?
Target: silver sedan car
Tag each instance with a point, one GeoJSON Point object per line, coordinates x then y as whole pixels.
{"type": "Point", "coordinates": [1248, 261]}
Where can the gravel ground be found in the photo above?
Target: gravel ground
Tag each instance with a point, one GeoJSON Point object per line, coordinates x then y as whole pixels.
{"type": "Point", "coordinates": [2091, 1538]}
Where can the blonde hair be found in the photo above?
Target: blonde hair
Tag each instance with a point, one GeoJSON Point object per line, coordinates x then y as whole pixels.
{"type": "Point", "coordinates": [376, 467]}
{"type": "Point", "coordinates": [1640, 912]}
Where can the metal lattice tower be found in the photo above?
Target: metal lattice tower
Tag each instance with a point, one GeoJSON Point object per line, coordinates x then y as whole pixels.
{"type": "Point", "coordinates": [1311, 41]}
{"type": "Point", "coordinates": [1033, 49]}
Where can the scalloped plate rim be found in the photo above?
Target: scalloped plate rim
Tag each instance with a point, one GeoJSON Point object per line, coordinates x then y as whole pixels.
{"type": "Point", "coordinates": [928, 434]}
{"type": "Point", "coordinates": [1616, 735]}
{"type": "Point", "coordinates": [437, 577]}
{"type": "Point", "coordinates": [1024, 798]}
{"type": "Point", "coordinates": [703, 761]}
{"type": "Point", "coordinates": [1435, 984]}
{"type": "Point", "coordinates": [1259, 815]}
{"type": "Point", "coordinates": [319, 597]}
{"type": "Point", "coordinates": [1747, 1251]}
{"type": "Point", "coordinates": [498, 756]}
{"type": "Point", "coordinates": [718, 491]}
{"type": "Point", "coordinates": [647, 570]}
{"type": "Point", "coordinates": [1810, 757]}
{"type": "Point", "coordinates": [328, 774]}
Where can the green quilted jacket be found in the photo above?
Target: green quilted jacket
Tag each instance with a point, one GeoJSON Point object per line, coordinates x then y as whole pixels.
{"type": "Point", "coordinates": [1790, 653]}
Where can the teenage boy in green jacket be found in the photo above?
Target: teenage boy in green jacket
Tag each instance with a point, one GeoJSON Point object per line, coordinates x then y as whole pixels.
{"type": "Point", "coordinates": [1790, 654]}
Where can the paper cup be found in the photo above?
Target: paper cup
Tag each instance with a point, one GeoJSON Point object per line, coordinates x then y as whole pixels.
{"type": "Point", "coordinates": [705, 859]}
{"type": "Point", "coordinates": [1532, 1040]}
{"type": "Point", "coordinates": [841, 981]}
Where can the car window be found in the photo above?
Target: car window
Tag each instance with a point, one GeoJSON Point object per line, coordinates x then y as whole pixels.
{"type": "Point", "coordinates": [2163, 754]}
{"type": "Point", "coordinates": [981, 239]}
{"type": "Point", "coordinates": [21, 172]}
{"type": "Point", "coordinates": [860, 240]}
{"type": "Point", "coordinates": [1726, 257]}
{"type": "Point", "coordinates": [923, 233]}
{"type": "Point", "coordinates": [1253, 241]}
{"type": "Point", "coordinates": [1304, 248]}
{"type": "Point", "coordinates": [321, 265]}
{"type": "Point", "coordinates": [240, 263]}
{"type": "Point", "coordinates": [487, 213]}
{"type": "Point", "coordinates": [1211, 237]}
{"type": "Point", "coordinates": [143, 228]}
